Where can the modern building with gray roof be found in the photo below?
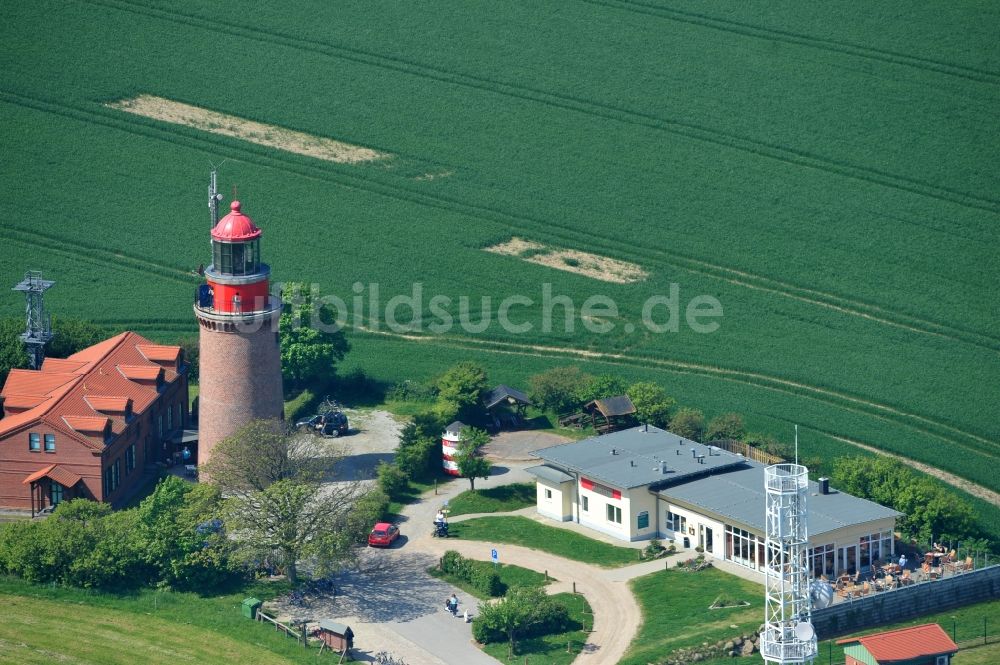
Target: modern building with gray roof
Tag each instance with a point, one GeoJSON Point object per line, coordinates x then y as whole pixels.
{"type": "Point", "coordinates": [645, 482]}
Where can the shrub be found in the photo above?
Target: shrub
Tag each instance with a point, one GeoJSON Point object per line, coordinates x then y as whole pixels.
{"type": "Point", "coordinates": [556, 389]}
{"type": "Point", "coordinates": [392, 480]}
{"type": "Point", "coordinates": [452, 562]}
{"type": "Point", "coordinates": [369, 509]}
{"type": "Point", "coordinates": [484, 579]}
{"type": "Point", "coordinates": [689, 423]}
{"type": "Point", "coordinates": [725, 426]}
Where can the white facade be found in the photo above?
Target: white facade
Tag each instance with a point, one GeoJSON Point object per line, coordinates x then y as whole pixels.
{"type": "Point", "coordinates": [638, 514]}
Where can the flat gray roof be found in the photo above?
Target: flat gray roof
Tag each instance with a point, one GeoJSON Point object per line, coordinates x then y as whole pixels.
{"type": "Point", "coordinates": [737, 495]}
{"type": "Point", "coordinates": [637, 456]}
{"type": "Point", "coordinates": [549, 473]}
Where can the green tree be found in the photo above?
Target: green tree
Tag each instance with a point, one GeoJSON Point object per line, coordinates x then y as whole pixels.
{"type": "Point", "coordinates": [12, 353]}
{"type": "Point", "coordinates": [419, 452]}
{"type": "Point", "coordinates": [689, 423]}
{"type": "Point", "coordinates": [471, 463]}
{"type": "Point", "coordinates": [652, 404]}
{"type": "Point", "coordinates": [311, 342]}
{"type": "Point", "coordinates": [192, 355]}
{"type": "Point", "coordinates": [460, 392]}
{"type": "Point", "coordinates": [725, 426]}
{"type": "Point", "coordinates": [521, 612]}
{"type": "Point", "coordinates": [72, 335]}
{"type": "Point", "coordinates": [180, 530]}
{"type": "Point", "coordinates": [557, 389]}
{"type": "Point", "coordinates": [599, 387]}
{"type": "Point", "coordinates": [277, 500]}
{"type": "Point", "coordinates": [298, 520]}
{"type": "Point", "coordinates": [391, 479]}
{"type": "Point", "coordinates": [263, 452]}
{"type": "Point", "coordinates": [930, 511]}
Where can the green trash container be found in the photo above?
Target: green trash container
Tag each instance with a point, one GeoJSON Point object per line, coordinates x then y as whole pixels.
{"type": "Point", "coordinates": [250, 607]}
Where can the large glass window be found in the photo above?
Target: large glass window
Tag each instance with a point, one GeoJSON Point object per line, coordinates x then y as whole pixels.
{"type": "Point", "coordinates": [50, 443]}
{"type": "Point", "coordinates": [34, 442]}
{"type": "Point", "coordinates": [236, 258]}
{"type": "Point", "coordinates": [744, 548]}
{"type": "Point", "coordinates": [55, 493]}
{"type": "Point", "coordinates": [821, 560]}
{"type": "Point", "coordinates": [614, 514]}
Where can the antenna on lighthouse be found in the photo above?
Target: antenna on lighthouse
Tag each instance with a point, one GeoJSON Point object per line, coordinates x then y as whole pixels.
{"type": "Point", "coordinates": [38, 329]}
{"type": "Point", "coordinates": [213, 193]}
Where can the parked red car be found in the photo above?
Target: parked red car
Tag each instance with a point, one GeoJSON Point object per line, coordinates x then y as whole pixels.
{"type": "Point", "coordinates": [383, 534]}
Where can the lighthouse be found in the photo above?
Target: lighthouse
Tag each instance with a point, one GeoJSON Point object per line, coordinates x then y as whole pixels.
{"type": "Point", "coordinates": [238, 331]}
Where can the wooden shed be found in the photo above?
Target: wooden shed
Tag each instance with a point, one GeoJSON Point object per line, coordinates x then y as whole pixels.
{"type": "Point", "coordinates": [918, 645]}
{"type": "Point", "coordinates": [506, 406]}
{"type": "Point", "coordinates": [611, 413]}
{"type": "Point", "coordinates": [337, 636]}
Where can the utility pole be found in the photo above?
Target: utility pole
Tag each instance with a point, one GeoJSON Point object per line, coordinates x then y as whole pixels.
{"type": "Point", "coordinates": [38, 327]}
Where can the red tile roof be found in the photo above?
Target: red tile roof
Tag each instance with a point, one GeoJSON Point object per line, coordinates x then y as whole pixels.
{"type": "Point", "coordinates": [107, 403]}
{"type": "Point", "coordinates": [906, 643]}
{"type": "Point", "coordinates": [30, 382]}
{"type": "Point", "coordinates": [63, 476]}
{"type": "Point", "coordinates": [21, 402]}
{"type": "Point", "coordinates": [160, 353]}
{"type": "Point", "coordinates": [62, 365]}
{"type": "Point", "coordinates": [87, 424]}
{"type": "Point", "coordinates": [140, 372]}
{"type": "Point", "coordinates": [106, 375]}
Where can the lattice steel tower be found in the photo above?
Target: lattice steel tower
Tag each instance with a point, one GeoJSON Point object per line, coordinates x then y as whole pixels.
{"type": "Point", "coordinates": [788, 632]}
{"type": "Point", "coordinates": [38, 330]}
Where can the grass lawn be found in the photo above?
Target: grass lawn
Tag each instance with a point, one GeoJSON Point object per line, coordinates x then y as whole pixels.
{"type": "Point", "coordinates": [985, 655]}
{"type": "Point", "coordinates": [675, 611]}
{"type": "Point", "coordinates": [511, 576]}
{"type": "Point", "coordinates": [561, 542]}
{"type": "Point", "coordinates": [494, 500]}
{"type": "Point", "coordinates": [55, 624]}
{"type": "Point", "coordinates": [551, 649]}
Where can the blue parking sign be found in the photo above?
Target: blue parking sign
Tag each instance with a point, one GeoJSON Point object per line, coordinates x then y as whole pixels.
{"type": "Point", "coordinates": [494, 555]}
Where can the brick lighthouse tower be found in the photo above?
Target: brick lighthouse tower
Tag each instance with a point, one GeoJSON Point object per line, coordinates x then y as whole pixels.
{"type": "Point", "coordinates": [238, 321]}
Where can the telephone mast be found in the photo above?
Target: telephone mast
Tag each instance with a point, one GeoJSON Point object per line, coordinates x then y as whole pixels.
{"type": "Point", "coordinates": [789, 637]}
{"type": "Point", "coordinates": [38, 329]}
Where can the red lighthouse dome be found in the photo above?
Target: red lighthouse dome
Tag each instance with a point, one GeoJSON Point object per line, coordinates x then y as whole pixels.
{"type": "Point", "coordinates": [235, 227]}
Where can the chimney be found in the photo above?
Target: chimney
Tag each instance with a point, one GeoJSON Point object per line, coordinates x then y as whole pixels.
{"type": "Point", "coordinates": [645, 427]}
{"type": "Point", "coordinates": [824, 485]}
{"type": "Point", "coordinates": [663, 466]}
{"type": "Point", "coordinates": [631, 462]}
{"type": "Point", "coordinates": [694, 453]}
{"type": "Point", "coordinates": [678, 451]}
{"type": "Point", "coordinates": [614, 451]}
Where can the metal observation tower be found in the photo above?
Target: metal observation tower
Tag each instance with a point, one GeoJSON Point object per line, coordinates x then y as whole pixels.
{"type": "Point", "coordinates": [38, 327]}
{"type": "Point", "coordinates": [788, 635]}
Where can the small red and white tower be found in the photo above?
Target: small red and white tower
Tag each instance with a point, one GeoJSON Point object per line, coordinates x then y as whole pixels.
{"type": "Point", "coordinates": [449, 447]}
{"type": "Point", "coordinates": [240, 357]}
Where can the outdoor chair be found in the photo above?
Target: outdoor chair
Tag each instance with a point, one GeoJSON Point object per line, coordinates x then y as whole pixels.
{"type": "Point", "coordinates": [866, 589]}
{"type": "Point", "coordinates": [969, 564]}
{"type": "Point", "coordinates": [906, 579]}
{"type": "Point", "coordinates": [890, 582]}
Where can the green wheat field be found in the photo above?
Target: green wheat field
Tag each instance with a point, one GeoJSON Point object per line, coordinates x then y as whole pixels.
{"type": "Point", "coordinates": [827, 171]}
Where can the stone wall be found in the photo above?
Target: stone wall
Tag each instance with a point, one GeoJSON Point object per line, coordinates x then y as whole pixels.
{"type": "Point", "coordinates": [908, 602]}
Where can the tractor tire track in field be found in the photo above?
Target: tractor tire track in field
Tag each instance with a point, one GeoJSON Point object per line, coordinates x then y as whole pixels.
{"type": "Point", "coordinates": [916, 422]}
{"type": "Point", "coordinates": [785, 154]}
{"type": "Point", "coordinates": [94, 254]}
{"type": "Point", "coordinates": [525, 224]}
{"type": "Point", "coordinates": [798, 39]}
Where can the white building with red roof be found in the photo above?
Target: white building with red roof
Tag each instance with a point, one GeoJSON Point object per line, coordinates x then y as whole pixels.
{"type": "Point", "coordinates": [90, 425]}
